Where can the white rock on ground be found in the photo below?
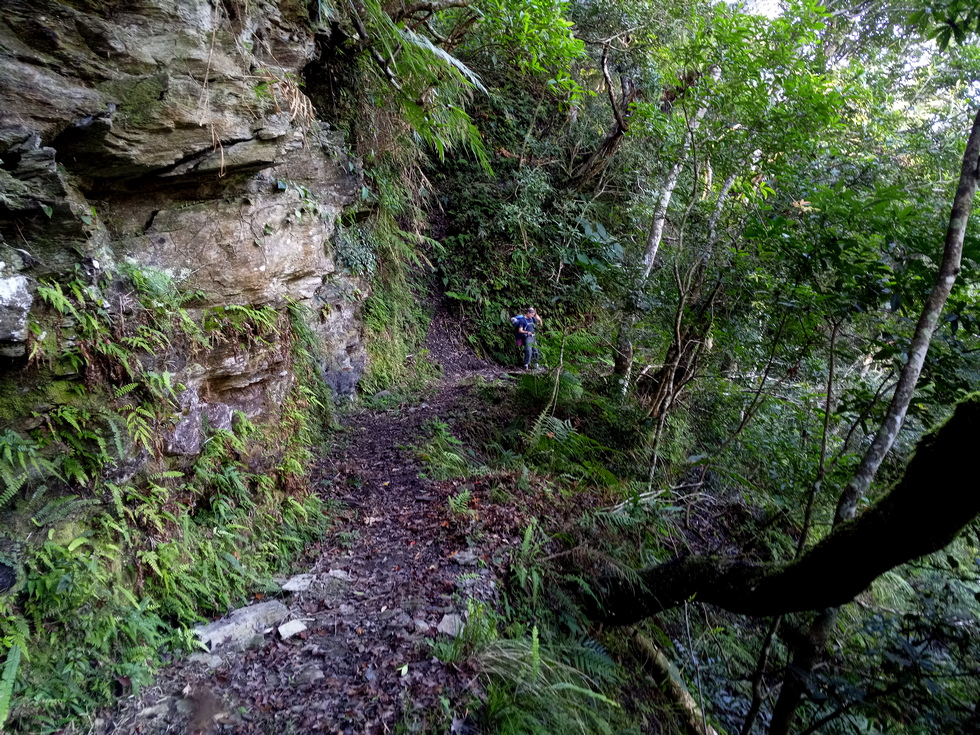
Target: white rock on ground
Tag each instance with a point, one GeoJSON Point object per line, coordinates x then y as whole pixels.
{"type": "Point", "coordinates": [206, 659]}
{"type": "Point", "coordinates": [238, 628]}
{"type": "Point", "coordinates": [293, 627]}
{"type": "Point", "coordinates": [451, 624]}
{"type": "Point", "coordinates": [299, 583]}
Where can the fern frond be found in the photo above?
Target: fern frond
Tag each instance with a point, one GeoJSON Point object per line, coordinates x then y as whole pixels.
{"type": "Point", "coordinates": [59, 509]}
{"type": "Point", "coordinates": [591, 658]}
{"type": "Point", "coordinates": [548, 424]}
{"type": "Point", "coordinates": [12, 483]}
{"type": "Point", "coordinates": [7, 681]}
{"type": "Point", "coordinates": [444, 56]}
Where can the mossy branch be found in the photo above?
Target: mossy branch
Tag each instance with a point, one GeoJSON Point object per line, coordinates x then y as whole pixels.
{"type": "Point", "coordinates": [921, 515]}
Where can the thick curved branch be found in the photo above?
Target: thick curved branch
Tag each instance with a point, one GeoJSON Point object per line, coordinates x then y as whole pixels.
{"type": "Point", "coordinates": [921, 515]}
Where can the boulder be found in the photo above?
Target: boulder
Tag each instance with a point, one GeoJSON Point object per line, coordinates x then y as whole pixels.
{"type": "Point", "coordinates": [238, 629]}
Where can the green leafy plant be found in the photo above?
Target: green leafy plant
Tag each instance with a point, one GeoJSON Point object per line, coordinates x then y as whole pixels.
{"type": "Point", "coordinates": [532, 690]}
{"type": "Point", "coordinates": [444, 456]}
{"type": "Point", "coordinates": [8, 677]}
{"type": "Point", "coordinates": [459, 504]}
{"type": "Point", "coordinates": [20, 458]}
{"type": "Point", "coordinates": [167, 544]}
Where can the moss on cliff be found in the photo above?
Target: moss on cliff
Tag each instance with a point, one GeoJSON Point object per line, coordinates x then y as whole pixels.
{"type": "Point", "coordinates": [139, 97]}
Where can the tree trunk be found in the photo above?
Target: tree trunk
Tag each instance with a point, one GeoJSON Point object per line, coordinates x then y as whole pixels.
{"type": "Point", "coordinates": [924, 512]}
{"type": "Point", "coordinates": [670, 681]}
{"type": "Point", "coordinates": [623, 356]}
{"type": "Point", "coordinates": [807, 654]}
{"type": "Point", "coordinates": [928, 321]}
{"type": "Point", "coordinates": [597, 160]}
{"type": "Point", "coordinates": [655, 236]}
{"type": "Point", "coordinates": [791, 694]}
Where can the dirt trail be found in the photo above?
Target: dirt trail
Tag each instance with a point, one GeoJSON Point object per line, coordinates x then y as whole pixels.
{"type": "Point", "coordinates": [388, 573]}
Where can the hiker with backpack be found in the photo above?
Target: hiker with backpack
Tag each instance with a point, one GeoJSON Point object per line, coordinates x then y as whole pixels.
{"type": "Point", "coordinates": [524, 325]}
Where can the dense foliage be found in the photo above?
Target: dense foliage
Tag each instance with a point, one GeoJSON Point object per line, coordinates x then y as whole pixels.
{"type": "Point", "coordinates": [130, 555]}
{"type": "Point", "coordinates": [731, 223]}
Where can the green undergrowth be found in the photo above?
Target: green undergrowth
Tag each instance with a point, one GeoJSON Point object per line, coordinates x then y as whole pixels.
{"type": "Point", "coordinates": [395, 319]}
{"type": "Point", "coordinates": [119, 548]}
{"type": "Point", "coordinates": [568, 458]}
{"type": "Point", "coordinates": [535, 682]}
{"type": "Point", "coordinates": [444, 455]}
{"type": "Point", "coordinates": [568, 461]}
{"type": "Point", "coordinates": [542, 668]}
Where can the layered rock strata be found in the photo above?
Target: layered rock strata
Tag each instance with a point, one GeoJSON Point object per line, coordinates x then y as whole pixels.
{"type": "Point", "coordinates": [171, 135]}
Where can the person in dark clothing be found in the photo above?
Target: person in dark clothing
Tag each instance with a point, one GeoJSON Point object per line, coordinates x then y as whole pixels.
{"type": "Point", "coordinates": [525, 325]}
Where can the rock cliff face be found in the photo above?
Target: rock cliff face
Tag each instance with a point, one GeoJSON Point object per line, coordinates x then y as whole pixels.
{"type": "Point", "coordinates": [171, 136]}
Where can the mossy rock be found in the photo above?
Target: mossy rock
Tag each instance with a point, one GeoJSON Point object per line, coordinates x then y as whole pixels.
{"type": "Point", "coordinates": [11, 554]}
{"type": "Point", "coordinates": [138, 97]}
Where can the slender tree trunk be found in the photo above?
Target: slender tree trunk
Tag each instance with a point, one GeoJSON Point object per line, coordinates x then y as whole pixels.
{"type": "Point", "coordinates": [623, 356]}
{"type": "Point", "coordinates": [670, 680]}
{"type": "Point", "coordinates": [622, 112]}
{"type": "Point", "coordinates": [758, 689]}
{"type": "Point", "coordinates": [624, 367]}
{"type": "Point", "coordinates": [656, 233]}
{"type": "Point", "coordinates": [928, 321]}
{"type": "Point", "coordinates": [807, 654]}
{"type": "Point", "coordinates": [806, 657]}
{"type": "Point", "coordinates": [684, 351]}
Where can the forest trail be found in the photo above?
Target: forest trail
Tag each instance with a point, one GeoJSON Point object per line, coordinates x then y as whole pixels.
{"type": "Point", "coordinates": [389, 572]}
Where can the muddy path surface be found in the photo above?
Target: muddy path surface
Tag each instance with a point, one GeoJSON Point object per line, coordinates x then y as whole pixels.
{"type": "Point", "coordinates": [343, 647]}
